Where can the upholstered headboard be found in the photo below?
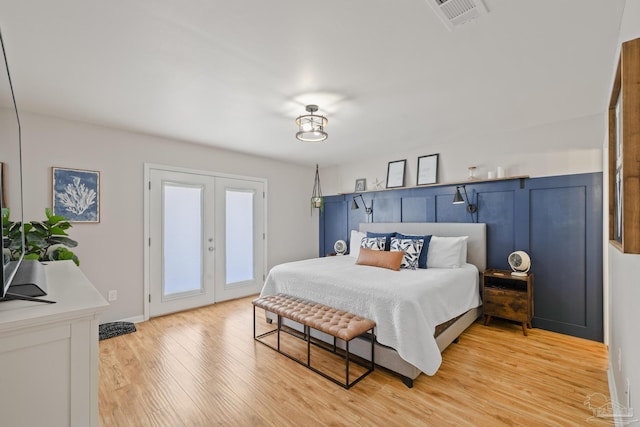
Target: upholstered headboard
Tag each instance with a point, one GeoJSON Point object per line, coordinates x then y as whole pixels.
{"type": "Point", "coordinates": [476, 245]}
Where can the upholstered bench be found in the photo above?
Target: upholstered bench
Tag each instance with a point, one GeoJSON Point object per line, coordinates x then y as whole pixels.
{"type": "Point", "coordinates": [336, 323]}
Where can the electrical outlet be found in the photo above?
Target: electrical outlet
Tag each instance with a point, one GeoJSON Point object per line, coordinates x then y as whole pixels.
{"type": "Point", "coordinates": [113, 295]}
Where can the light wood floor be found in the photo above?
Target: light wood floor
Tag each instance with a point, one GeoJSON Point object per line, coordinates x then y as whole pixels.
{"type": "Point", "coordinates": [203, 368]}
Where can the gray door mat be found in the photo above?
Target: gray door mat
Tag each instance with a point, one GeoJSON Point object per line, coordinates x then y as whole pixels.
{"type": "Point", "coordinates": [113, 329]}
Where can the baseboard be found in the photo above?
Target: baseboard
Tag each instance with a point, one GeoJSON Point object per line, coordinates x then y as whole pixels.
{"type": "Point", "coordinates": [134, 319]}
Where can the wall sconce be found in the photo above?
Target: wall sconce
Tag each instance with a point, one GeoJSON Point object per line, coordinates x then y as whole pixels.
{"type": "Point", "coordinates": [368, 210]}
{"type": "Point", "coordinates": [458, 199]}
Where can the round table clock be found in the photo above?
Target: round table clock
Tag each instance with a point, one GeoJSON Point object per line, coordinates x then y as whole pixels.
{"type": "Point", "coordinates": [340, 247]}
{"type": "Point", "coordinates": [520, 263]}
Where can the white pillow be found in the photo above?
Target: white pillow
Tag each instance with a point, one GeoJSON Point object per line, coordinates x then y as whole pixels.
{"type": "Point", "coordinates": [354, 242]}
{"type": "Point", "coordinates": [447, 252]}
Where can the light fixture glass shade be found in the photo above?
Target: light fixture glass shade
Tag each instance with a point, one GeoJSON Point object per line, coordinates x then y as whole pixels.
{"type": "Point", "coordinates": [311, 126]}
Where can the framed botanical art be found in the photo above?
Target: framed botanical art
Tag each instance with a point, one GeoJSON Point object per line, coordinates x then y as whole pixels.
{"type": "Point", "coordinates": [428, 169]}
{"type": "Point", "coordinates": [624, 152]}
{"type": "Point", "coordinates": [76, 194]}
{"type": "Point", "coordinates": [395, 174]}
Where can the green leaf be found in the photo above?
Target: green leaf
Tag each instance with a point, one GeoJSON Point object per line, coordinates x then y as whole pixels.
{"type": "Point", "coordinates": [56, 240]}
{"type": "Point", "coordinates": [40, 227]}
{"type": "Point", "coordinates": [61, 254]}
{"type": "Point", "coordinates": [57, 231]}
{"type": "Point", "coordinates": [35, 240]}
{"type": "Point", "coordinates": [56, 219]}
{"type": "Point", "coordinates": [47, 212]}
{"type": "Point", "coordinates": [65, 225]}
{"type": "Point", "coordinates": [33, 256]}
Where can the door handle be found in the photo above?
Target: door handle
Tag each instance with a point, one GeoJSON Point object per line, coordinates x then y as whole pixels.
{"type": "Point", "coordinates": [211, 248]}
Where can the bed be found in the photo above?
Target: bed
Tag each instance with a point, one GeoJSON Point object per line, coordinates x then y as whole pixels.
{"type": "Point", "coordinates": [418, 313]}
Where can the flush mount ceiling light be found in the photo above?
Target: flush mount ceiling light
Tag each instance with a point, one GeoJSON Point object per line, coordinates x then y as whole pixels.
{"type": "Point", "coordinates": [311, 126]}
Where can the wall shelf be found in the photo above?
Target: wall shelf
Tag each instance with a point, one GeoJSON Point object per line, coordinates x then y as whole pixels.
{"type": "Point", "coordinates": [441, 184]}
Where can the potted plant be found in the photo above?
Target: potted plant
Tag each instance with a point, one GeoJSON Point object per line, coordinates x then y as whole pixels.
{"type": "Point", "coordinates": [44, 240]}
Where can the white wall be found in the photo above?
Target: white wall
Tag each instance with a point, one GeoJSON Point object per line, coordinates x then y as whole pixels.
{"type": "Point", "coordinates": [624, 283]}
{"type": "Point", "coordinates": [111, 252]}
{"type": "Point", "coordinates": [554, 149]}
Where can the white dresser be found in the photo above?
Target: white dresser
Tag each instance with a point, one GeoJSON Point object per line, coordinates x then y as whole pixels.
{"type": "Point", "coordinates": [49, 353]}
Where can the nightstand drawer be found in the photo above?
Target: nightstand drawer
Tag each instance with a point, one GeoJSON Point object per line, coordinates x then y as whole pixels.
{"type": "Point", "coordinates": [506, 304]}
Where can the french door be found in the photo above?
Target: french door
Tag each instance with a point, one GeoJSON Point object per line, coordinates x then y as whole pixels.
{"type": "Point", "coordinates": [206, 240]}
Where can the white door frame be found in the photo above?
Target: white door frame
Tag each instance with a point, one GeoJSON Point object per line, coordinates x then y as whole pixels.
{"type": "Point", "coordinates": [147, 211]}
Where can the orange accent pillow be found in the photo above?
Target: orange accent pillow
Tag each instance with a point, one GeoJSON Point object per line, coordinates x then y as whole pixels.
{"type": "Point", "coordinates": [384, 259]}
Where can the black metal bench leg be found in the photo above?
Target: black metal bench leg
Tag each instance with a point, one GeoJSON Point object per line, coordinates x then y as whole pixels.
{"type": "Point", "coordinates": [307, 331]}
{"type": "Point", "coordinates": [279, 327]}
{"type": "Point", "coordinates": [373, 350]}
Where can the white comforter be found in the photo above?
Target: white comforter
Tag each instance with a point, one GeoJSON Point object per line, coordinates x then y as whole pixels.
{"type": "Point", "coordinates": [406, 305]}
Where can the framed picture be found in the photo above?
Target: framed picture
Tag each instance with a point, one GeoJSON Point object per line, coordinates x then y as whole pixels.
{"type": "Point", "coordinates": [76, 194]}
{"type": "Point", "coordinates": [428, 169]}
{"type": "Point", "coordinates": [361, 184]}
{"type": "Point", "coordinates": [395, 174]}
{"type": "Point", "coordinates": [624, 151]}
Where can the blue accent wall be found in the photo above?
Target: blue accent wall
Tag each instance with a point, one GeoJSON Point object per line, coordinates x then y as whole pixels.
{"type": "Point", "coordinates": [556, 220]}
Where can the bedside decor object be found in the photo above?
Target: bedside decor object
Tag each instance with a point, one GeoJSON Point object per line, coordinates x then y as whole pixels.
{"type": "Point", "coordinates": [458, 199]}
{"type": "Point", "coordinates": [624, 151]}
{"type": "Point", "coordinates": [378, 184]}
{"type": "Point", "coordinates": [501, 172]}
{"type": "Point", "coordinates": [311, 126]}
{"type": "Point", "coordinates": [508, 297]}
{"type": "Point", "coordinates": [395, 174]}
{"type": "Point", "coordinates": [428, 169]}
{"type": "Point", "coordinates": [520, 263]}
{"type": "Point", "coordinates": [76, 194]}
{"type": "Point", "coordinates": [317, 201]}
{"type": "Point", "coordinates": [472, 172]}
{"type": "Point", "coordinates": [368, 210]}
{"type": "Point", "coordinates": [340, 247]}
{"type": "Point", "coordinates": [361, 185]}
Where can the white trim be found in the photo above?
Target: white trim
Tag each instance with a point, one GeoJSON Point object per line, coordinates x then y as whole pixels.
{"type": "Point", "coordinates": [613, 393]}
{"type": "Point", "coordinates": [135, 319]}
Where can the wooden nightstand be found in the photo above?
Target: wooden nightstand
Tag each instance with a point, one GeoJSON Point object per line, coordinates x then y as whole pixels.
{"type": "Point", "coordinates": [508, 297]}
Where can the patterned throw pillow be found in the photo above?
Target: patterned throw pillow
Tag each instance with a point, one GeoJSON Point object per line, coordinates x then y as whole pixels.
{"type": "Point", "coordinates": [411, 249]}
{"type": "Point", "coordinates": [375, 243]}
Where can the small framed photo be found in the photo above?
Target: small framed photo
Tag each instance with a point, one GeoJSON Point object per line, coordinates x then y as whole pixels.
{"type": "Point", "coordinates": [428, 169]}
{"type": "Point", "coordinates": [76, 194]}
{"type": "Point", "coordinates": [395, 174]}
{"type": "Point", "coordinates": [361, 184]}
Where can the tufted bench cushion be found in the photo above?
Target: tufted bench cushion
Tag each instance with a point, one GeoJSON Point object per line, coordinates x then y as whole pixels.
{"type": "Point", "coordinates": [337, 323]}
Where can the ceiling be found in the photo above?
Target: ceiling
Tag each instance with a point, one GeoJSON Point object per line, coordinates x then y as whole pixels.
{"type": "Point", "coordinates": [235, 74]}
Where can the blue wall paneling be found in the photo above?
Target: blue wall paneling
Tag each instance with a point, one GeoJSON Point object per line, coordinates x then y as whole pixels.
{"type": "Point", "coordinates": [557, 220]}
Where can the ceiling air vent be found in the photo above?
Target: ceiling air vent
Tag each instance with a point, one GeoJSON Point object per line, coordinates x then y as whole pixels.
{"type": "Point", "coordinates": [454, 13]}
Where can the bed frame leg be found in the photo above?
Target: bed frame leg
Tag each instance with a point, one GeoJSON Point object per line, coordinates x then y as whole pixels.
{"type": "Point", "coordinates": [457, 340]}
{"type": "Point", "coordinates": [407, 381]}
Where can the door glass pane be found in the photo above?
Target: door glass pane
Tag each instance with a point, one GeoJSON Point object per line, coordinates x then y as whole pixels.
{"type": "Point", "coordinates": [239, 235]}
{"type": "Point", "coordinates": [182, 233]}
